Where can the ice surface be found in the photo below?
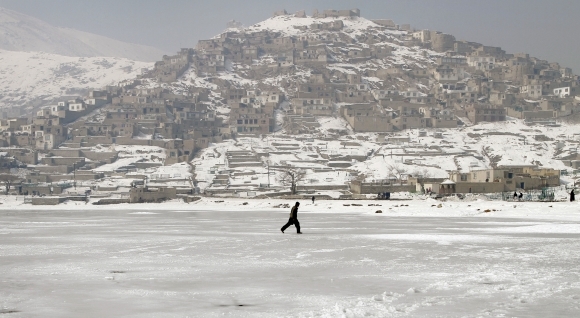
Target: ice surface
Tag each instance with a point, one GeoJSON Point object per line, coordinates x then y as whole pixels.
{"type": "Point", "coordinates": [218, 258]}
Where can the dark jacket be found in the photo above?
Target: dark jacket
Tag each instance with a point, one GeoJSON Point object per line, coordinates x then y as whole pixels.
{"type": "Point", "coordinates": [294, 213]}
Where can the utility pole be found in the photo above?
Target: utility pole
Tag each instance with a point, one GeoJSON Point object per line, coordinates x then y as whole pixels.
{"type": "Point", "coordinates": [75, 174]}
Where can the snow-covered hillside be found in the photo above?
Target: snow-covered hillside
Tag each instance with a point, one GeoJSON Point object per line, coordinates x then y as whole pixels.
{"type": "Point", "coordinates": [19, 32]}
{"type": "Point", "coordinates": [429, 152]}
{"type": "Point", "coordinates": [27, 76]}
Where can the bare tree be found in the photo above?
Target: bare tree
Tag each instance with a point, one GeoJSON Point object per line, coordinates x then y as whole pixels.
{"type": "Point", "coordinates": [422, 173]}
{"type": "Point", "coordinates": [291, 177]}
{"type": "Point", "coordinates": [15, 174]}
{"type": "Point", "coordinates": [8, 180]}
{"type": "Point", "coordinates": [397, 170]}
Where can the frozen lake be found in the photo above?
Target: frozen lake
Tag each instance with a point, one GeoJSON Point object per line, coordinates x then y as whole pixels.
{"type": "Point", "coordinates": [182, 263]}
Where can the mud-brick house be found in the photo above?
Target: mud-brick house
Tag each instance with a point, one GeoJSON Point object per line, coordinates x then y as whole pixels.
{"type": "Point", "coordinates": [249, 54]}
{"type": "Point", "coordinates": [149, 195]}
{"type": "Point", "coordinates": [505, 178]}
{"type": "Point", "coordinates": [12, 124]}
{"type": "Point", "coordinates": [337, 13]}
{"type": "Point", "coordinates": [251, 118]}
{"type": "Point", "coordinates": [439, 118]}
{"type": "Point", "coordinates": [313, 106]}
{"type": "Point", "coordinates": [367, 118]}
{"type": "Point", "coordinates": [485, 113]}
{"type": "Point", "coordinates": [409, 122]}
{"type": "Point", "coordinates": [311, 56]}
{"type": "Point", "coordinates": [24, 155]}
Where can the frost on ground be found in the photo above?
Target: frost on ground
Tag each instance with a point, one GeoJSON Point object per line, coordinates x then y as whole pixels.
{"type": "Point", "coordinates": [228, 258]}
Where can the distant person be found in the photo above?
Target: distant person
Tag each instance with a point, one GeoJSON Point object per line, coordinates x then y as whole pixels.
{"type": "Point", "coordinates": [293, 219]}
{"type": "Point", "coordinates": [515, 195]}
{"type": "Point", "coordinates": [572, 196]}
{"type": "Point", "coordinates": [312, 199]}
{"type": "Point", "coordinates": [521, 196]}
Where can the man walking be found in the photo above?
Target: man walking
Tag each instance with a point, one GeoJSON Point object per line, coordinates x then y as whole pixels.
{"type": "Point", "coordinates": [293, 219]}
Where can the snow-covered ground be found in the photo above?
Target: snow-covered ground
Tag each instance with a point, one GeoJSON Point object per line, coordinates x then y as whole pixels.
{"type": "Point", "coordinates": [26, 76]}
{"type": "Point", "coordinates": [214, 258]}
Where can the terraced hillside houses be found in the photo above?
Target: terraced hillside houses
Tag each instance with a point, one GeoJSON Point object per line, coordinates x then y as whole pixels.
{"type": "Point", "coordinates": [283, 76]}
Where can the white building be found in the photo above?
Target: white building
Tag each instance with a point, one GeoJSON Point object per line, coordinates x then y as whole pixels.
{"type": "Point", "coordinates": [562, 91]}
{"type": "Point", "coordinates": [76, 107]}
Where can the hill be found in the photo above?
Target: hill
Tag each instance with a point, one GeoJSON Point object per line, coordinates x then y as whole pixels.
{"type": "Point", "coordinates": [30, 76]}
{"type": "Point", "coordinates": [19, 32]}
{"type": "Point", "coordinates": [345, 104]}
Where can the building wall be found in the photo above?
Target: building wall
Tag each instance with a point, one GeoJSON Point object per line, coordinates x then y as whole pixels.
{"type": "Point", "coordinates": [479, 187]}
{"type": "Point", "coordinates": [358, 187]}
{"type": "Point", "coordinates": [142, 195]}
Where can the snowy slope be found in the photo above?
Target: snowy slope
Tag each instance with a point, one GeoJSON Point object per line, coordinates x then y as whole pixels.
{"type": "Point", "coordinates": [460, 149]}
{"type": "Point", "coordinates": [19, 32]}
{"type": "Point", "coordinates": [26, 76]}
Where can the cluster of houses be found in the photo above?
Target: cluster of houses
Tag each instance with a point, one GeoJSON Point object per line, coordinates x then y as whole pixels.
{"type": "Point", "coordinates": [466, 83]}
{"type": "Point", "coordinates": [494, 180]}
{"type": "Point", "coordinates": [322, 70]}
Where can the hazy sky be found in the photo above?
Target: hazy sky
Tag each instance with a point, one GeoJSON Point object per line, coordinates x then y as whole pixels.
{"type": "Point", "coordinates": [547, 29]}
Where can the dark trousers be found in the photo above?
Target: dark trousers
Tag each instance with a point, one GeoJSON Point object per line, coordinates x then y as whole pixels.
{"type": "Point", "coordinates": [290, 222]}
